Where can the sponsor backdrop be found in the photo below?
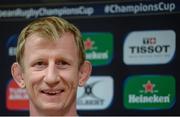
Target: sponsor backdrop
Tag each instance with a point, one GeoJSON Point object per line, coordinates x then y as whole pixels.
{"type": "Point", "coordinates": [132, 46]}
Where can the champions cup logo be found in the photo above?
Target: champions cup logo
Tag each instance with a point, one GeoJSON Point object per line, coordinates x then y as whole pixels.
{"type": "Point", "coordinates": [99, 47]}
{"type": "Point", "coordinates": [149, 47]}
{"type": "Point", "coordinates": [149, 92]}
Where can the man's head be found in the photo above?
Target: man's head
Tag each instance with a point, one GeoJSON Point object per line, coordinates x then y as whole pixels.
{"type": "Point", "coordinates": [51, 65]}
{"type": "Point", "coordinates": [51, 28]}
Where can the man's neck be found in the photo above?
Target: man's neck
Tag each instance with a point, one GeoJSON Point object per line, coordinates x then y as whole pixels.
{"type": "Point", "coordinates": [66, 112]}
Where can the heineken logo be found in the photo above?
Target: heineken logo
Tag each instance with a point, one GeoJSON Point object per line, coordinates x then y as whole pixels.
{"type": "Point", "coordinates": [149, 92]}
{"type": "Point", "coordinates": [99, 47]}
{"type": "Point", "coordinates": [148, 99]}
{"type": "Point", "coordinates": [149, 87]}
{"type": "Point", "coordinates": [89, 44]}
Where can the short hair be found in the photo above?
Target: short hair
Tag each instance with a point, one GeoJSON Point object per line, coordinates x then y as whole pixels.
{"type": "Point", "coordinates": [53, 28]}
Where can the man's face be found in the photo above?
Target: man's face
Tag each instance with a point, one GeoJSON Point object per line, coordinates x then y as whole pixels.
{"type": "Point", "coordinates": [51, 72]}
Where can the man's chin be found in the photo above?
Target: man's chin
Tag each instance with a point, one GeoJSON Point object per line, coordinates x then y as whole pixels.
{"type": "Point", "coordinates": [52, 106]}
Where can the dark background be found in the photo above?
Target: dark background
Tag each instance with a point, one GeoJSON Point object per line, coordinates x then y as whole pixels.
{"type": "Point", "coordinates": [119, 26]}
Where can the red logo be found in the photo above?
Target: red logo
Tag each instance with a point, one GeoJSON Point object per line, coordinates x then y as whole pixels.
{"type": "Point", "coordinates": [88, 44]}
{"type": "Point", "coordinates": [149, 87]}
{"type": "Point", "coordinates": [16, 97]}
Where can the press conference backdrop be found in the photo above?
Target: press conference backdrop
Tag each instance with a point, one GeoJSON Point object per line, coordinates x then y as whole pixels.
{"type": "Point", "coordinates": [133, 46]}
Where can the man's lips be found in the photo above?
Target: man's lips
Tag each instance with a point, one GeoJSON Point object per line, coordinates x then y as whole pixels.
{"type": "Point", "coordinates": [52, 92]}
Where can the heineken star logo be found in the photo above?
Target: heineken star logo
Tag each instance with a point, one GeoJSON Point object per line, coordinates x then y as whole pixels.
{"type": "Point", "coordinates": [149, 87]}
{"type": "Point", "coordinates": [88, 44]}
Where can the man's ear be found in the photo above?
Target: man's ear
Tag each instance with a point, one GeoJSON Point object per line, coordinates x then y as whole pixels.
{"type": "Point", "coordinates": [16, 71]}
{"type": "Point", "coordinates": [85, 72]}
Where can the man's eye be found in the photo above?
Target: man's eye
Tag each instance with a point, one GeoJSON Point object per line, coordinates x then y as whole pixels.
{"type": "Point", "coordinates": [62, 64]}
{"type": "Point", "coordinates": [40, 65]}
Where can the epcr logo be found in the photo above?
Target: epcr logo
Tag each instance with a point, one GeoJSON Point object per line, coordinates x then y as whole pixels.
{"type": "Point", "coordinates": [11, 45]}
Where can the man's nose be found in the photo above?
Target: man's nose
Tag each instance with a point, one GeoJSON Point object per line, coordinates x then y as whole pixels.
{"type": "Point", "coordinates": [52, 77]}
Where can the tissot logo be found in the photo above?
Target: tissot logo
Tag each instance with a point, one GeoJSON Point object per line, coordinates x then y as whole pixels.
{"type": "Point", "coordinates": [149, 92]}
{"type": "Point", "coordinates": [149, 47]}
{"type": "Point", "coordinates": [92, 96]}
{"type": "Point", "coordinates": [99, 47]}
{"type": "Point", "coordinates": [16, 97]}
{"type": "Point", "coordinates": [149, 40]}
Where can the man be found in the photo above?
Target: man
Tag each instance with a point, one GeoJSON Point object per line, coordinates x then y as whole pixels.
{"type": "Point", "coordinates": [51, 65]}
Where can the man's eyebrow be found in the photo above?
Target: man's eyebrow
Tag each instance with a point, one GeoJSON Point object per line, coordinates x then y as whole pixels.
{"type": "Point", "coordinates": [67, 58]}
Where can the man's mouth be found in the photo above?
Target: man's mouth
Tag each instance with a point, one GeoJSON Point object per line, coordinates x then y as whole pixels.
{"type": "Point", "coordinates": [52, 92]}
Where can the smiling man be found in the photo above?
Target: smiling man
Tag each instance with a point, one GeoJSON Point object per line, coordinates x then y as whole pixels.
{"type": "Point", "coordinates": [50, 64]}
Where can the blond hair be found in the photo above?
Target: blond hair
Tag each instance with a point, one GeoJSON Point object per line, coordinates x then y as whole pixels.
{"type": "Point", "coordinates": [51, 27]}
